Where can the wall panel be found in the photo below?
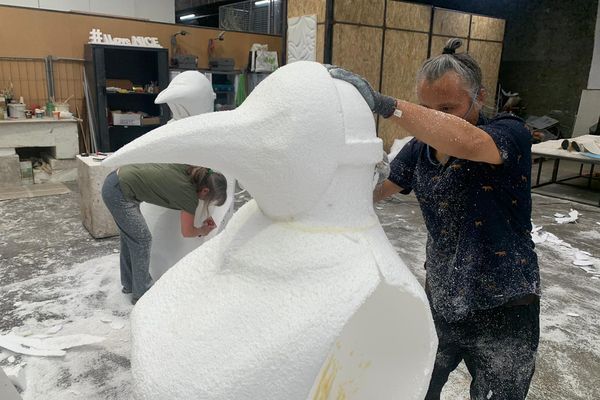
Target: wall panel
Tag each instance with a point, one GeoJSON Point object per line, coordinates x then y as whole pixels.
{"type": "Point", "coordinates": [298, 8]}
{"type": "Point", "coordinates": [358, 49]}
{"type": "Point", "coordinates": [320, 42]}
{"type": "Point", "coordinates": [488, 55]}
{"type": "Point", "coordinates": [409, 16]}
{"type": "Point", "coordinates": [403, 55]}
{"type": "Point", "coordinates": [369, 12]}
{"type": "Point", "coordinates": [451, 23]}
{"type": "Point", "coordinates": [487, 28]}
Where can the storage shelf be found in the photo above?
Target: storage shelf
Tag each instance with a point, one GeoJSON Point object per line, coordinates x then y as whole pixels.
{"type": "Point", "coordinates": [135, 64]}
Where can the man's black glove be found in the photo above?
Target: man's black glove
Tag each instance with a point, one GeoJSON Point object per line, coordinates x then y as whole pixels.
{"type": "Point", "coordinates": [379, 103]}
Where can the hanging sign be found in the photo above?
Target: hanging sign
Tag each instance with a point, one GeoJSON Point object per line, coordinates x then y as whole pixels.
{"type": "Point", "coordinates": [97, 37]}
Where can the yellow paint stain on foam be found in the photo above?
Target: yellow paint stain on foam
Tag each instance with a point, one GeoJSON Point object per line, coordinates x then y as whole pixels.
{"type": "Point", "coordinates": [325, 387]}
{"type": "Point", "coordinates": [364, 364]}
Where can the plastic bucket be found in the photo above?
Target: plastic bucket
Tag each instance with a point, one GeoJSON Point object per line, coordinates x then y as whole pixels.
{"type": "Point", "coordinates": [16, 110]}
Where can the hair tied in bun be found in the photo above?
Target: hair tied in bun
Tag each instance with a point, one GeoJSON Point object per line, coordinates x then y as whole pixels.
{"type": "Point", "coordinates": [448, 51]}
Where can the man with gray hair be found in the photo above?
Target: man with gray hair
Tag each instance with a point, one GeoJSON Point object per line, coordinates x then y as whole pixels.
{"type": "Point", "coordinates": [471, 176]}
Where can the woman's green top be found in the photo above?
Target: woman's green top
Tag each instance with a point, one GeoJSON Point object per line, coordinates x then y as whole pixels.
{"type": "Point", "coordinates": [166, 185]}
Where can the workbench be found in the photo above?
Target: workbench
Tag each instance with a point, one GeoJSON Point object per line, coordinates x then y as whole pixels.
{"type": "Point", "coordinates": [551, 151]}
{"type": "Point", "coordinates": [60, 135]}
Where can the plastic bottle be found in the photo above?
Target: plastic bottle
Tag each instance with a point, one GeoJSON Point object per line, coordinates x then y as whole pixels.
{"type": "Point", "coordinates": [49, 108]}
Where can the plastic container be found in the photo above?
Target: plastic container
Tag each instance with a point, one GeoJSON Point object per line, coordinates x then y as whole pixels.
{"type": "Point", "coordinates": [61, 107]}
{"type": "Point", "coordinates": [16, 110]}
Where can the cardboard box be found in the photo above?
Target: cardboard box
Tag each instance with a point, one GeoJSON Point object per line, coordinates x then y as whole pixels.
{"type": "Point", "coordinates": [150, 121]}
{"type": "Point", "coordinates": [128, 119]}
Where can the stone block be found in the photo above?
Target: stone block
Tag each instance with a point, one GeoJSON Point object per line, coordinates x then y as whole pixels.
{"type": "Point", "coordinates": [7, 151]}
{"type": "Point", "coordinates": [95, 216]}
{"type": "Point", "coordinates": [10, 170]}
{"type": "Point", "coordinates": [59, 164]}
{"type": "Point", "coordinates": [58, 175]}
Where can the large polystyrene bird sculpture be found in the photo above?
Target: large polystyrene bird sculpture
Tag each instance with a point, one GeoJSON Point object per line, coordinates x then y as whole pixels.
{"type": "Point", "coordinates": [301, 296]}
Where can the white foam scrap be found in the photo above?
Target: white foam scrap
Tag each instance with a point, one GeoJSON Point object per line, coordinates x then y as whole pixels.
{"type": "Point", "coordinates": [117, 325]}
{"type": "Point", "coordinates": [581, 259]}
{"type": "Point", "coordinates": [54, 329]}
{"type": "Point", "coordinates": [17, 376]}
{"type": "Point", "coordinates": [588, 269]}
{"type": "Point", "coordinates": [304, 269]}
{"type": "Point", "coordinates": [583, 263]}
{"type": "Point", "coordinates": [40, 336]}
{"type": "Point", "coordinates": [573, 216]}
{"type": "Point", "coordinates": [572, 314]}
{"type": "Point", "coordinates": [106, 320]}
{"type": "Point", "coordinates": [16, 347]}
{"type": "Point", "coordinates": [489, 395]}
{"type": "Point", "coordinates": [53, 346]}
{"type": "Point", "coordinates": [559, 215]}
{"type": "Point", "coordinates": [11, 359]}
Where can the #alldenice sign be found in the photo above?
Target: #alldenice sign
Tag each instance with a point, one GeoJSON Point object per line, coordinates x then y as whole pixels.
{"type": "Point", "coordinates": [97, 37]}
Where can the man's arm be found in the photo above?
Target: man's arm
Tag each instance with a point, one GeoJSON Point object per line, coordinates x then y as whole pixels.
{"type": "Point", "coordinates": [385, 190]}
{"type": "Point", "coordinates": [447, 133]}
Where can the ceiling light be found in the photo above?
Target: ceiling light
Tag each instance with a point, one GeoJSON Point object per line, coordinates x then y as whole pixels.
{"type": "Point", "coordinates": [186, 17]}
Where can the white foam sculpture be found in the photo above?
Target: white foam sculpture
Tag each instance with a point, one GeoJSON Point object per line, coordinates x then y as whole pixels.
{"type": "Point", "coordinates": [301, 296]}
{"type": "Point", "coordinates": [189, 93]}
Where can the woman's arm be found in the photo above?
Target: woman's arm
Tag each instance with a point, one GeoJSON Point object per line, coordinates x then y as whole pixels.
{"type": "Point", "coordinates": [447, 133]}
{"type": "Point", "coordinates": [189, 230]}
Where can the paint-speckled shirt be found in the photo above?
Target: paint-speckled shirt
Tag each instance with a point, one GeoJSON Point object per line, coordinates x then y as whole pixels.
{"type": "Point", "coordinates": [478, 216]}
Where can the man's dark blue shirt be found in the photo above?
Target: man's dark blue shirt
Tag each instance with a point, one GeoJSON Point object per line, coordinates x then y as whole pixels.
{"type": "Point", "coordinates": [478, 216]}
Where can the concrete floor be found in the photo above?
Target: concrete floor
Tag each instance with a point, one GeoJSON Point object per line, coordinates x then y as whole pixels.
{"type": "Point", "coordinates": [43, 244]}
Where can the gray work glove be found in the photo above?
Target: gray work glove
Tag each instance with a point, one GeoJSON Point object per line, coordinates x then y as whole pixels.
{"type": "Point", "coordinates": [382, 169]}
{"type": "Point", "coordinates": [379, 103]}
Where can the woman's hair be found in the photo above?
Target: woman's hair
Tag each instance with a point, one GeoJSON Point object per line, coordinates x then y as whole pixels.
{"type": "Point", "coordinates": [214, 181]}
{"type": "Point", "coordinates": [463, 64]}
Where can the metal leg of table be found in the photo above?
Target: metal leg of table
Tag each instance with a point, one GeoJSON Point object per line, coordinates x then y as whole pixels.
{"type": "Point", "coordinates": [555, 170]}
{"type": "Point", "coordinates": [539, 171]}
{"type": "Point", "coordinates": [591, 176]}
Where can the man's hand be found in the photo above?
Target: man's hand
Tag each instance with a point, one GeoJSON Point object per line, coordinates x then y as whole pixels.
{"type": "Point", "coordinates": [379, 103]}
